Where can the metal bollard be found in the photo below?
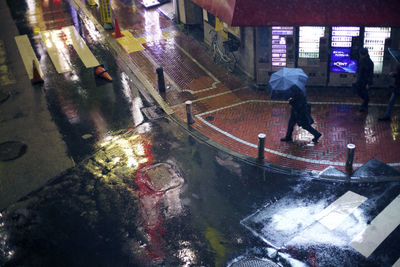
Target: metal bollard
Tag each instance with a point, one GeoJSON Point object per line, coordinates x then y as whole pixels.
{"type": "Point", "coordinates": [350, 158]}
{"type": "Point", "coordinates": [161, 81]}
{"type": "Point", "coordinates": [189, 115]}
{"type": "Point", "coordinates": [261, 144]}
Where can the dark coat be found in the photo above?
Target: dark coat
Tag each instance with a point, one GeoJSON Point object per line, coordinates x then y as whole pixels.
{"type": "Point", "coordinates": [301, 110]}
{"type": "Point", "coordinates": [396, 88]}
{"type": "Point", "coordinates": [365, 72]}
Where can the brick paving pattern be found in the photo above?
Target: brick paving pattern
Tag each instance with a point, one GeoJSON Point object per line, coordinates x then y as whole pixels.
{"type": "Point", "coordinates": [232, 113]}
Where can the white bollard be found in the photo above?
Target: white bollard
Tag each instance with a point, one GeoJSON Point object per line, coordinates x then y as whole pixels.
{"type": "Point", "coordinates": [189, 114]}
{"type": "Point", "coordinates": [261, 144]}
{"type": "Point", "coordinates": [350, 158]}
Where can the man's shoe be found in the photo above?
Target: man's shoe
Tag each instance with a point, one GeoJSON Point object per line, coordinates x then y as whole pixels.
{"type": "Point", "coordinates": [286, 139]}
{"type": "Point", "coordinates": [315, 139]}
{"type": "Point", "coordinates": [384, 119]}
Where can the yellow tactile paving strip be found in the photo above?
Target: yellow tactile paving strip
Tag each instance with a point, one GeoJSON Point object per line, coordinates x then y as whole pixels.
{"type": "Point", "coordinates": [131, 44]}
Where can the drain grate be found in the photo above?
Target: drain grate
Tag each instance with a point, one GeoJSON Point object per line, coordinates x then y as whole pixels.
{"type": "Point", "coordinates": [254, 262]}
{"type": "Point", "coordinates": [12, 150]}
{"type": "Point", "coordinates": [153, 112]}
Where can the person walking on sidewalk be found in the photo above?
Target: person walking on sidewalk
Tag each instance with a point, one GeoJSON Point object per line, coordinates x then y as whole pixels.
{"type": "Point", "coordinates": [300, 114]}
{"type": "Point", "coordinates": [365, 73]}
{"type": "Point", "coordinates": [395, 94]}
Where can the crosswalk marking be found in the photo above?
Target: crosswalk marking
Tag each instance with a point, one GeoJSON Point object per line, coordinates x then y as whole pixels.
{"type": "Point", "coordinates": [380, 228]}
{"type": "Point", "coordinates": [334, 214]}
{"type": "Point", "coordinates": [27, 54]}
{"type": "Point", "coordinates": [56, 49]}
{"type": "Point", "coordinates": [397, 263]}
{"type": "Point", "coordinates": [56, 42]}
{"type": "Point", "coordinates": [87, 57]}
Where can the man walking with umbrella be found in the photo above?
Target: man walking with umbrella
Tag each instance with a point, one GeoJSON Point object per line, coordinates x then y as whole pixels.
{"type": "Point", "coordinates": [290, 83]}
{"type": "Point", "coordinates": [300, 114]}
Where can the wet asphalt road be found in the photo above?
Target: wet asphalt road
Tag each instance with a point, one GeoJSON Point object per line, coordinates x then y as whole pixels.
{"type": "Point", "coordinates": [155, 195]}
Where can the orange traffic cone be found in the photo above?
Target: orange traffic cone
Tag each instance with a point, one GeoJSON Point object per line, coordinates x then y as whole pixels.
{"type": "Point", "coordinates": [117, 33]}
{"type": "Point", "coordinates": [101, 72]}
{"type": "Point", "coordinates": [36, 76]}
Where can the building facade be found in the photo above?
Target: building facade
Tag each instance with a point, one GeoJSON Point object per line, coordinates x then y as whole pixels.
{"type": "Point", "coordinates": [323, 40]}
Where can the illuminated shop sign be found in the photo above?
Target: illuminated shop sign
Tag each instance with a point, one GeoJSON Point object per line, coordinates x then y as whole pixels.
{"type": "Point", "coordinates": [341, 62]}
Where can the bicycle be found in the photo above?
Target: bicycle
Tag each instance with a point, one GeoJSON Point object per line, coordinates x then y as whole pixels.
{"type": "Point", "coordinates": [225, 55]}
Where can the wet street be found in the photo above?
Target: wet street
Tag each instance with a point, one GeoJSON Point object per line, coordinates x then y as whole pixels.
{"type": "Point", "coordinates": [148, 191]}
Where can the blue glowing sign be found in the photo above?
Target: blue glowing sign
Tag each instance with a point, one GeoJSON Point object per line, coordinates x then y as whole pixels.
{"type": "Point", "coordinates": [341, 62]}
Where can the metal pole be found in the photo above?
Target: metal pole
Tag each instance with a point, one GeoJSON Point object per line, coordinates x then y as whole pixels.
{"type": "Point", "coordinates": [189, 115]}
{"type": "Point", "coordinates": [261, 143]}
{"type": "Point", "coordinates": [161, 81]}
{"type": "Point", "coordinates": [350, 158]}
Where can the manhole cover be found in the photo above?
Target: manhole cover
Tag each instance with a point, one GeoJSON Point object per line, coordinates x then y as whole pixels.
{"type": "Point", "coordinates": [4, 96]}
{"type": "Point", "coordinates": [254, 262]}
{"type": "Point", "coordinates": [11, 150]}
{"type": "Point", "coordinates": [210, 118]}
{"type": "Point", "coordinates": [153, 112]}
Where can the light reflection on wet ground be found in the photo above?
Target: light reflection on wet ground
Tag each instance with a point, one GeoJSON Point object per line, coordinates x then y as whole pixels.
{"type": "Point", "coordinates": [156, 196]}
{"type": "Point", "coordinates": [192, 217]}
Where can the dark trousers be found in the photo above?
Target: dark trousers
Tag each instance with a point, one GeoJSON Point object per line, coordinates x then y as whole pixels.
{"type": "Point", "coordinates": [292, 122]}
{"type": "Point", "coordinates": [362, 92]}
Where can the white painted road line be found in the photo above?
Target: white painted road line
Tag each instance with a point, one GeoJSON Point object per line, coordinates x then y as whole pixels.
{"type": "Point", "coordinates": [87, 57]}
{"type": "Point", "coordinates": [397, 263]}
{"type": "Point", "coordinates": [333, 215]}
{"type": "Point", "coordinates": [380, 228]}
{"type": "Point", "coordinates": [56, 48]}
{"type": "Point", "coordinates": [323, 162]}
{"type": "Point", "coordinates": [27, 54]}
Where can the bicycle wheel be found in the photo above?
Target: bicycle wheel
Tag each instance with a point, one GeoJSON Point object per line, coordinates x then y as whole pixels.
{"type": "Point", "coordinates": [231, 64]}
{"type": "Point", "coordinates": [214, 52]}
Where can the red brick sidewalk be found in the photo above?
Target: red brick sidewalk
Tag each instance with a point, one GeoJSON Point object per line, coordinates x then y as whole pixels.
{"type": "Point", "coordinates": [232, 114]}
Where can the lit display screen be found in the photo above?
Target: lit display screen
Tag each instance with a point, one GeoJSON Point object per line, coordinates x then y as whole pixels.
{"type": "Point", "coordinates": [341, 36]}
{"type": "Point", "coordinates": [309, 41]}
{"type": "Point", "coordinates": [374, 40]}
{"type": "Point", "coordinates": [341, 62]}
{"type": "Point", "coordinates": [341, 47]}
{"type": "Point", "coordinates": [279, 34]}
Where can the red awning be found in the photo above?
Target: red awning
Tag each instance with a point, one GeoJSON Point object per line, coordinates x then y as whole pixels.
{"type": "Point", "coordinates": [305, 12]}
